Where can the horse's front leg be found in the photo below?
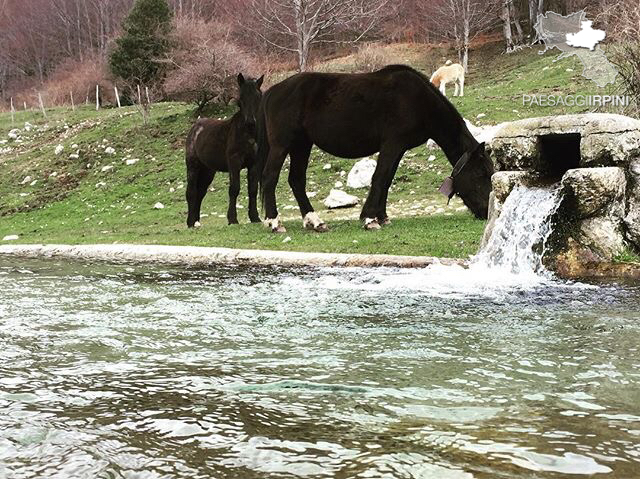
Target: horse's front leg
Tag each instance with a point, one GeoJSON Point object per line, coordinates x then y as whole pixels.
{"type": "Point", "coordinates": [234, 191]}
{"type": "Point", "coordinates": [455, 88]}
{"type": "Point", "coordinates": [253, 179]}
{"type": "Point", "coordinates": [375, 205]}
{"type": "Point", "coordinates": [298, 183]}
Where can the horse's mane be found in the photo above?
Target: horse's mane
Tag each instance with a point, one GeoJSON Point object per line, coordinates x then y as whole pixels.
{"type": "Point", "coordinates": [452, 109]}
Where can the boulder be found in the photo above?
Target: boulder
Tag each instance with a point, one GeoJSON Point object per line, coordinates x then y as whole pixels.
{"type": "Point", "coordinates": [361, 173]}
{"type": "Point", "coordinates": [632, 219]}
{"type": "Point", "coordinates": [595, 191]}
{"type": "Point", "coordinates": [605, 139]}
{"type": "Point", "coordinates": [603, 235]}
{"type": "Point", "coordinates": [503, 182]}
{"type": "Point", "coordinates": [340, 199]}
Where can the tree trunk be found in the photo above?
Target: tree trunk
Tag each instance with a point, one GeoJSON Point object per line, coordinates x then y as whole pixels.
{"type": "Point", "coordinates": [506, 25]}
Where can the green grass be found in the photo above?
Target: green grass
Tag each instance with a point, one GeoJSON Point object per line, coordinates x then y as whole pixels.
{"type": "Point", "coordinates": [74, 201]}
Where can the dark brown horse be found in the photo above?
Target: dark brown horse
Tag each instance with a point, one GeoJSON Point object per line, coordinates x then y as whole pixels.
{"type": "Point", "coordinates": [225, 145]}
{"type": "Point", "coordinates": [355, 115]}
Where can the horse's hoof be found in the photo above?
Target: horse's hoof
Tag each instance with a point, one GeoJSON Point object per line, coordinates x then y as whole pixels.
{"type": "Point", "coordinates": [385, 222]}
{"type": "Point", "coordinates": [371, 224]}
{"type": "Point", "coordinates": [279, 229]}
{"type": "Point", "coordinates": [197, 224]}
{"type": "Point", "coordinates": [321, 228]}
{"type": "Point", "coordinates": [233, 222]}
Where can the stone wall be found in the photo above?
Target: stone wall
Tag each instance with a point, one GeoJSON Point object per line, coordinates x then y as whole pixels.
{"type": "Point", "coordinates": [600, 210]}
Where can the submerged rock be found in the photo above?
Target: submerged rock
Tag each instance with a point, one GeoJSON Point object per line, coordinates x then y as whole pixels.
{"type": "Point", "coordinates": [340, 199]}
{"type": "Point", "coordinates": [361, 174]}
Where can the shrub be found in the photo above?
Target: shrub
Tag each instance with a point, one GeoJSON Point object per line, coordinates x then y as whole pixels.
{"type": "Point", "coordinates": [79, 78]}
{"type": "Point", "coordinates": [205, 63]}
{"type": "Point", "coordinates": [371, 57]}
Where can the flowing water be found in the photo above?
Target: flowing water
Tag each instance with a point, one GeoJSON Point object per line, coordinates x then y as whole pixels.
{"type": "Point", "coordinates": [115, 371]}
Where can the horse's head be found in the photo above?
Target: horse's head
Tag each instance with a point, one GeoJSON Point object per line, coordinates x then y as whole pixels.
{"type": "Point", "coordinates": [249, 98]}
{"type": "Point", "coordinates": [472, 181]}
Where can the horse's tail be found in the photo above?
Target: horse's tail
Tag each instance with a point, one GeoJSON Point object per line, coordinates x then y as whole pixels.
{"type": "Point", "coordinates": [263, 145]}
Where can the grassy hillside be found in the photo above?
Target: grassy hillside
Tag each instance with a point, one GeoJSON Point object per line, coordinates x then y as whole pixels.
{"type": "Point", "coordinates": [90, 193]}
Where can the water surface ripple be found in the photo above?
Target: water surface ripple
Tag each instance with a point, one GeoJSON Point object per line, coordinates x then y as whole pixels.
{"type": "Point", "coordinates": [137, 372]}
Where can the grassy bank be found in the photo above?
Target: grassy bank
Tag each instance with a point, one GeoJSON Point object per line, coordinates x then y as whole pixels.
{"type": "Point", "coordinates": [94, 190]}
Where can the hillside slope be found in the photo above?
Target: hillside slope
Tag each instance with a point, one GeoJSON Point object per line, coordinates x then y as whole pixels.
{"type": "Point", "coordinates": [94, 190]}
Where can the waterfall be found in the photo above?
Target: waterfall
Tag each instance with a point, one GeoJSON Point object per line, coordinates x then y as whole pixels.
{"type": "Point", "coordinates": [517, 243]}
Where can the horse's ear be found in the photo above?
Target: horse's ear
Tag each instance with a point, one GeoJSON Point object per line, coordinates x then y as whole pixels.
{"type": "Point", "coordinates": [259, 81]}
{"type": "Point", "coordinates": [240, 79]}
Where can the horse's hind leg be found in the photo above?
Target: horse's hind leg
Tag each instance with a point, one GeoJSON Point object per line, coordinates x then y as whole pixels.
{"type": "Point", "coordinates": [298, 181]}
{"type": "Point", "coordinates": [204, 180]}
{"type": "Point", "coordinates": [375, 204]}
{"type": "Point", "coordinates": [383, 218]}
{"type": "Point", "coordinates": [193, 176]}
{"type": "Point", "coordinates": [270, 176]}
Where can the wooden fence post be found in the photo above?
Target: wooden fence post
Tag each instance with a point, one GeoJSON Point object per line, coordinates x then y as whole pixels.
{"type": "Point", "coordinates": [42, 104]}
{"type": "Point", "coordinates": [117, 96]}
{"type": "Point", "coordinates": [13, 112]}
{"type": "Point", "coordinates": [73, 105]}
{"type": "Point", "coordinates": [97, 97]}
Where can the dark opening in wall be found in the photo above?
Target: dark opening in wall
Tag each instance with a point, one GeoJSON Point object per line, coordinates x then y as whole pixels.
{"type": "Point", "coordinates": [558, 153]}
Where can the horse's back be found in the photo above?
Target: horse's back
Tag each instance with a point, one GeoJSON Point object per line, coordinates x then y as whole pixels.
{"type": "Point", "coordinates": [348, 115]}
{"type": "Point", "coordinates": [207, 143]}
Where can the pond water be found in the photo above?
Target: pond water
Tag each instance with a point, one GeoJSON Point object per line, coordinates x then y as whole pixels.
{"type": "Point", "coordinates": [139, 372]}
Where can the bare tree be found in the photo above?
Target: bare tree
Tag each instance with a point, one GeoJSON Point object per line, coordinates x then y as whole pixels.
{"type": "Point", "coordinates": [462, 21]}
{"type": "Point", "coordinates": [297, 25]}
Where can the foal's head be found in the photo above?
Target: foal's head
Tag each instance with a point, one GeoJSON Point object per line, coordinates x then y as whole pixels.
{"type": "Point", "coordinates": [249, 99]}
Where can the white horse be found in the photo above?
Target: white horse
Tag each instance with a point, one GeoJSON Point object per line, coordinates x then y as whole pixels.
{"type": "Point", "coordinates": [450, 72]}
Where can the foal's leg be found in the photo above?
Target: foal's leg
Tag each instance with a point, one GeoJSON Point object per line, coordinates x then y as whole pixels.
{"type": "Point", "coordinates": [234, 191]}
{"type": "Point", "coordinates": [455, 88]}
{"type": "Point", "coordinates": [383, 175]}
{"type": "Point", "coordinates": [270, 176]}
{"type": "Point", "coordinates": [253, 177]}
{"type": "Point", "coordinates": [204, 180]}
{"type": "Point", "coordinates": [298, 182]}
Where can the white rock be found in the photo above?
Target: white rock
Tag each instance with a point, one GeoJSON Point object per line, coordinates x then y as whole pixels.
{"type": "Point", "coordinates": [361, 173]}
{"type": "Point", "coordinates": [27, 179]}
{"type": "Point", "coordinates": [74, 156]}
{"type": "Point", "coordinates": [173, 190]}
{"type": "Point", "coordinates": [338, 184]}
{"type": "Point", "coordinates": [110, 150]}
{"type": "Point", "coordinates": [481, 115]}
{"type": "Point", "coordinates": [53, 175]}
{"type": "Point", "coordinates": [100, 184]}
{"type": "Point", "coordinates": [14, 134]}
{"type": "Point", "coordinates": [312, 194]}
{"type": "Point", "coordinates": [327, 166]}
{"type": "Point", "coordinates": [158, 206]}
{"type": "Point", "coordinates": [74, 146]}
{"type": "Point", "coordinates": [27, 126]}
{"type": "Point", "coordinates": [59, 149]}
{"type": "Point", "coordinates": [431, 158]}
{"type": "Point", "coordinates": [11, 238]}
{"type": "Point", "coordinates": [432, 145]}
{"type": "Point", "coordinates": [33, 183]}
{"type": "Point", "coordinates": [340, 199]}
{"type": "Point", "coordinates": [287, 239]}
{"type": "Point", "coordinates": [106, 168]}
{"type": "Point", "coordinates": [132, 161]}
